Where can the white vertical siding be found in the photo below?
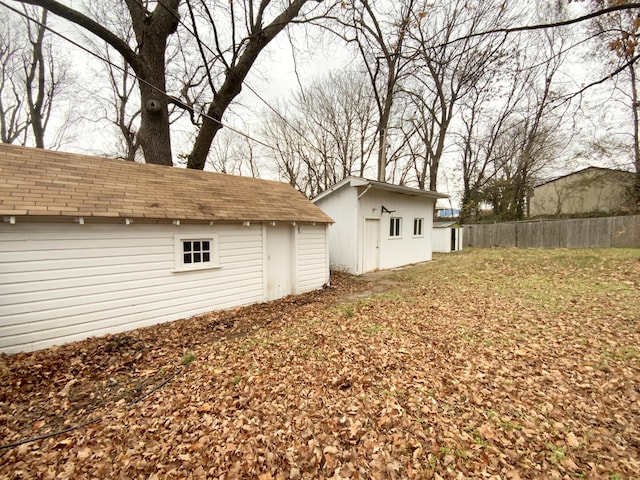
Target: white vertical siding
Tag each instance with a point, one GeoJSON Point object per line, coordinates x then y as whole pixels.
{"type": "Point", "coordinates": [342, 206]}
{"type": "Point", "coordinates": [65, 282]}
{"type": "Point", "coordinates": [406, 249]}
{"type": "Point", "coordinates": [312, 269]}
{"type": "Point", "coordinates": [442, 239]}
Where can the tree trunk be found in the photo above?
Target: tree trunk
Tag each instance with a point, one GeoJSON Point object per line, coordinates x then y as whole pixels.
{"type": "Point", "coordinates": [154, 133]}
{"type": "Point", "coordinates": [636, 134]}
{"type": "Point", "coordinates": [36, 76]}
{"type": "Point", "coordinates": [152, 30]}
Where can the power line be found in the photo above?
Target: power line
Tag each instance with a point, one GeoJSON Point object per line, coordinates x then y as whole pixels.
{"type": "Point", "coordinates": [108, 62]}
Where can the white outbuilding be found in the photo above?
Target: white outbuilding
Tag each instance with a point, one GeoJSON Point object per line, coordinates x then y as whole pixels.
{"type": "Point", "coordinates": [377, 225]}
{"type": "Point", "coordinates": [447, 237]}
{"type": "Point", "coordinates": [90, 246]}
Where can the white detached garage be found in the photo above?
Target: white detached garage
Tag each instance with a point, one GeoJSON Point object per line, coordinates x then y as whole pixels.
{"type": "Point", "coordinates": [90, 246]}
{"type": "Point", "coordinates": [377, 225]}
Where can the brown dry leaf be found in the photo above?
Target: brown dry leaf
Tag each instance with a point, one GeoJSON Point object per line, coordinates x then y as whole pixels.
{"type": "Point", "coordinates": [572, 440]}
{"type": "Point", "coordinates": [84, 453]}
{"type": "Point", "coordinates": [486, 364]}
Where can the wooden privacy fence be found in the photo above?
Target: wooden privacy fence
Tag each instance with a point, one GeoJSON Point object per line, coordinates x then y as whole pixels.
{"type": "Point", "coordinates": [572, 233]}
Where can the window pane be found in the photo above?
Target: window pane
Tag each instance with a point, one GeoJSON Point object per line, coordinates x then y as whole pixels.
{"type": "Point", "coordinates": [197, 253]}
{"type": "Point", "coordinates": [394, 227]}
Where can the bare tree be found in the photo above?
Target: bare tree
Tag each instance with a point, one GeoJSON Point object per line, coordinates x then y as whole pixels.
{"type": "Point", "coordinates": [618, 34]}
{"type": "Point", "coordinates": [249, 28]}
{"type": "Point", "coordinates": [446, 71]}
{"type": "Point", "coordinates": [294, 158]}
{"type": "Point", "coordinates": [483, 124]}
{"type": "Point", "coordinates": [119, 100]}
{"type": "Point", "coordinates": [33, 78]}
{"type": "Point", "coordinates": [233, 155]}
{"type": "Point", "coordinates": [329, 128]}
{"type": "Point", "coordinates": [380, 31]}
{"type": "Point", "coordinates": [13, 115]}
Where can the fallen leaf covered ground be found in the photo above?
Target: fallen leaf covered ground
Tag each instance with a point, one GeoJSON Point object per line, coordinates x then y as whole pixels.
{"type": "Point", "coordinates": [482, 364]}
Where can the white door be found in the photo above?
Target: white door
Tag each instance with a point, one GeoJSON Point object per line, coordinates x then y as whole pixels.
{"type": "Point", "coordinates": [279, 261]}
{"type": "Point", "coordinates": [371, 247]}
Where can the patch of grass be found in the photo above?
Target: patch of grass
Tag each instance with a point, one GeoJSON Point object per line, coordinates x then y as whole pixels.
{"type": "Point", "coordinates": [372, 329]}
{"type": "Point", "coordinates": [445, 450]}
{"type": "Point", "coordinates": [556, 453]}
{"type": "Point", "coordinates": [478, 439]}
{"type": "Point", "coordinates": [391, 295]}
{"type": "Point", "coordinates": [627, 353]}
{"type": "Point", "coordinates": [255, 341]}
{"type": "Point", "coordinates": [462, 454]}
{"type": "Point", "coordinates": [347, 311]}
{"type": "Point", "coordinates": [187, 358]}
{"type": "Point", "coordinates": [509, 425]}
{"type": "Point", "coordinates": [491, 414]}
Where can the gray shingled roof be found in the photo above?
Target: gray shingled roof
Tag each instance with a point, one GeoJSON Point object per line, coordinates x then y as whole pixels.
{"type": "Point", "coordinates": [47, 183]}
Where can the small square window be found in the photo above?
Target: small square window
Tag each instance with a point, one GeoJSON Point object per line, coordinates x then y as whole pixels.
{"type": "Point", "coordinates": [417, 227]}
{"type": "Point", "coordinates": [395, 226]}
{"type": "Point", "coordinates": [195, 253]}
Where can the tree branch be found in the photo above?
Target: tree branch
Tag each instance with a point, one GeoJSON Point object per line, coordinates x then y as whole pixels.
{"type": "Point", "coordinates": [543, 26]}
{"type": "Point", "coordinates": [88, 24]}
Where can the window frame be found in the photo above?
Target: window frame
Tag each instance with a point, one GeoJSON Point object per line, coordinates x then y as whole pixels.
{"type": "Point", "coordinates": [395, 227]}
{"type": "Point", "coordinates": [179, 264]}
{"type": "Point", "coordinates": [418, 221]}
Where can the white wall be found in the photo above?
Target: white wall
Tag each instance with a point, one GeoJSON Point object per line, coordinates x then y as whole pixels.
{"type": "Point", "coordinates": [406, 249]}
{"type": "Point", "coordinates": [342, 206]}
{"type": "Point", "coordinates": [65, 282]}
{"type": "Point", "coordinates": [312, 270]}
{"type": "Point", "coordinates": [442, 239]}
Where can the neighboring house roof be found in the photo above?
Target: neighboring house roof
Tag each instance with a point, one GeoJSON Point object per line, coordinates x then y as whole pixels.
{"type": "Point", "coordinates": [47, 183]}
{"type": "Point", "coordinates": [366, 183]}
{"type": "Point", "coordinates": [588, 169]}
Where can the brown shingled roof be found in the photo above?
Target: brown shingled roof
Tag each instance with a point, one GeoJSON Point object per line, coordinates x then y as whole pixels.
{"type": "Point", "coordinates": [47, 183]}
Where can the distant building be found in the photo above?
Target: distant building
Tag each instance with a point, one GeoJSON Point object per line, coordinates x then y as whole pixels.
{"type": "Point", "coordinates": [590, 190]}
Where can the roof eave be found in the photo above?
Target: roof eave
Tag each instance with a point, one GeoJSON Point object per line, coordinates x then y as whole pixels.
{"type": "Point", "coordinates": [363, 182]}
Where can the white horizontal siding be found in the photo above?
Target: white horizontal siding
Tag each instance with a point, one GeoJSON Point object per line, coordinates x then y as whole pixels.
{"type": "Point", "coordinates": [63, 282]}
{"type": "Point", "coordinates": [312, 262]}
